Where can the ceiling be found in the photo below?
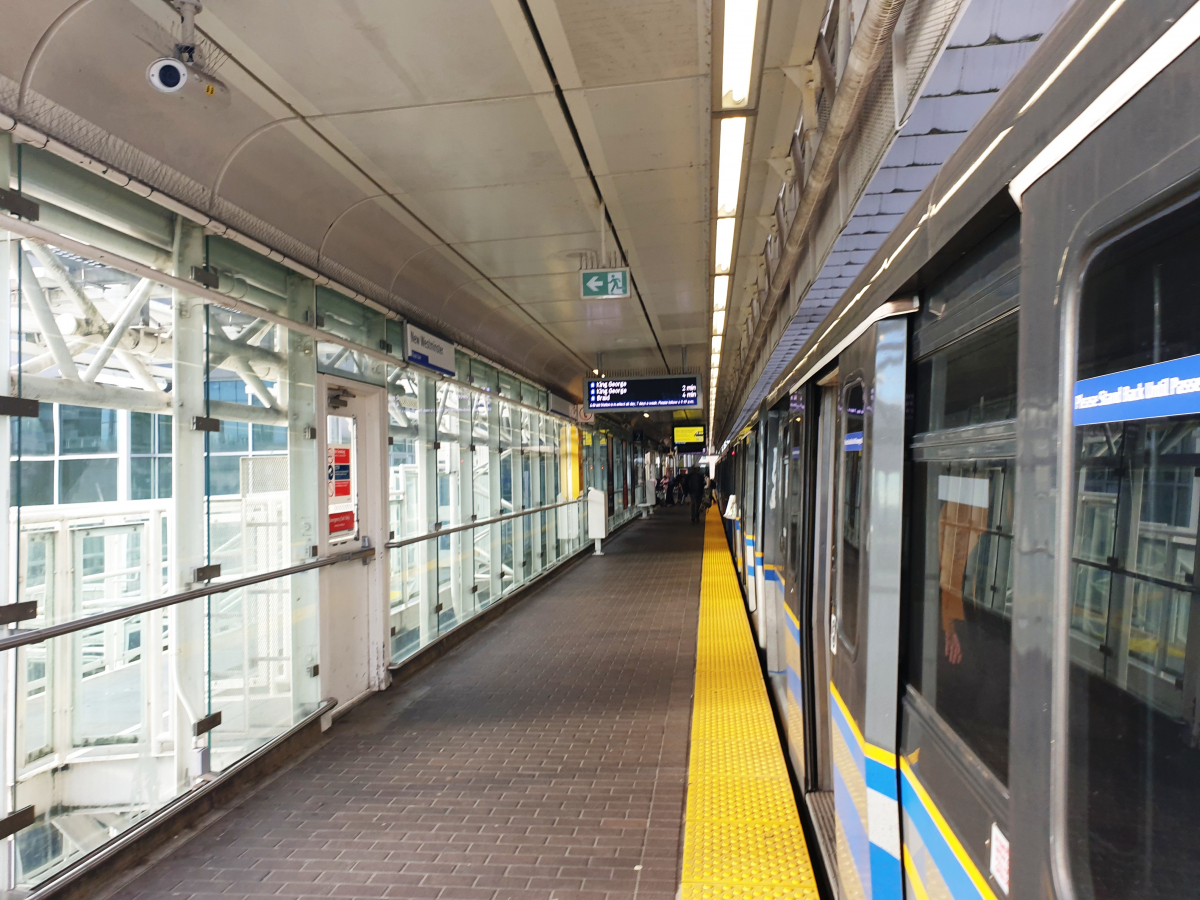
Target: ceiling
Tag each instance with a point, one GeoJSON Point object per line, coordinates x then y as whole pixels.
{"type": "Point", "coordinates": [422, 147]}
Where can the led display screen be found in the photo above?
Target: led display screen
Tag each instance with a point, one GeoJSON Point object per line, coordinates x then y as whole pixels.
{"type": "Point", "coordinates": [663, 392]}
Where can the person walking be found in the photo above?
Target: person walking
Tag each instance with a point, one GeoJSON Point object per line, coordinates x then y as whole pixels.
{"type": "Point", "coordinates": [695, 490]}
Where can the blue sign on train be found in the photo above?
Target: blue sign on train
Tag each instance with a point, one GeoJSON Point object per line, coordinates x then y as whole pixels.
{"type": "Point", "coordinates": [1169, 388]}
{"type": "Point", "coordinates": [854, 442]}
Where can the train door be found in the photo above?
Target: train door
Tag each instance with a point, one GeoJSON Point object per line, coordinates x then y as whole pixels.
{"type": "Point", "coordinates": [747, 506]}
{"type": "Point", "coordinates": [819, 796]}
{"type": "Point", "coordinates": [771, 578]}
{"type": "Point", "coordinates": [865, 622]}
{"type": "Point", "coordinates": [793, 547]}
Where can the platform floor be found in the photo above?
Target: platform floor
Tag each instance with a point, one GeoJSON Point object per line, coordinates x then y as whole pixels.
{"type": "Point", "coordinates": [543, 759]}
{"type": "Point", "coordinates": [743, 835]}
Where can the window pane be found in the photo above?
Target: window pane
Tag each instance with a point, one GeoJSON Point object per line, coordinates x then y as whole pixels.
{"type": "Point", "coordinates": [163, 465]}
{"type": "Point", "coordinates": [87, 480]}
{"type": "Point", "coordinates": [141, 432]}
{"type": "Point", "coordinates": [87, 430]}
{"type": "Point", "coordinates": [1134, 776]}
{"type": "Point", "coordinates": [852, 535]}
{"type": "Point", "coordinates": [224, 475]}
{"type": "Point", "coordinates": [33, 483]}
{"type": "Point", "coordinates": [34, 437]}
{"type": "Point", "coordinates": [164, 433]}
{"type": "Point", "coordinates": [234, 437]}
{"type": "Point", "coordinates": [960, 629]}
{"type": "Point", "coordinates": [972, 381]}
{"type": "Point", "coordinates": [269, 437]}
{"type": "Point", "coordinates": [141, 478]}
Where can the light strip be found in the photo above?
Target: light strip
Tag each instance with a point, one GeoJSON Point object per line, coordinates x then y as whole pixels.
{"type": "Point", "coordinates": [718, 321]}
{"type": "Point", "coordinates": [1087, 39]}
{"type": "Point", "coordinates": [737, 52]}
{"type": "Point", "coordinates": [729, 168]}
{"type": "Point", "coordinates": [724, 250]}
{"type": "Point", "coordinates": [720, 292]}
{"type": "Point", "coordinates": [1161, 54]}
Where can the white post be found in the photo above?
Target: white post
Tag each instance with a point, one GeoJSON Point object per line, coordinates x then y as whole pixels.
{"type": "Point", "coordinates": [298, 393]}
{"type": "Point", "coordinates": [189, 530]}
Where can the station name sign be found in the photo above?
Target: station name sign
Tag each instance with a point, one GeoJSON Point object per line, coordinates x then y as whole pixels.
{"type": "Point", "coordinates": [431, 352]}
{"type": "Point", "coordinates": [1148, 392]}
{"type": "Point", "coordinates": [660, 392]}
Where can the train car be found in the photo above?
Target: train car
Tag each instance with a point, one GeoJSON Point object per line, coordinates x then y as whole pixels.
{"type": "Point", "coordinates": [966, 519]}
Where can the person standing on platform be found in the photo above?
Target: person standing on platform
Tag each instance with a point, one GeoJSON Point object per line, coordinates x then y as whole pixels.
{"type": "Point", "coordinates": [694, 486]}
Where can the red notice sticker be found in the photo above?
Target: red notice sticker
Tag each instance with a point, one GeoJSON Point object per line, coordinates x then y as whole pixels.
{"type": "Point", "coordinates": [341, 522]}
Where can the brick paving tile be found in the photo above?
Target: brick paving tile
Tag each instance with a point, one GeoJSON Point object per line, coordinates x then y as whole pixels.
{"type": "Point", "coordinates": [542, 759]}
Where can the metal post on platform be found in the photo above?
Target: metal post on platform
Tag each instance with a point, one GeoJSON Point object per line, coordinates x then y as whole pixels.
{"type": "Point", "coordinates": [598, 551]}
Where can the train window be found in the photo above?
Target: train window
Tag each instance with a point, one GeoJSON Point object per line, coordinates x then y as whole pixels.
{"type": "Point", "coordinates": [852, 523]}
{"type": "Point", "coordinates": [960, 627]}
{"type": "Point", "coordinates": [1134, 741]}
{"type": "Point", "coordinates": [970, 382]}
{"type": "Point", "coordinates": [961, 527]}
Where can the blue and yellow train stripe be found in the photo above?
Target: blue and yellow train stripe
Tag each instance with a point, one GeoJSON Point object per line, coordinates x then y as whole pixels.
{"type": "Point", "coordinates": [867, 805]}
{"type": "Point", "coordinates": [933, 852]}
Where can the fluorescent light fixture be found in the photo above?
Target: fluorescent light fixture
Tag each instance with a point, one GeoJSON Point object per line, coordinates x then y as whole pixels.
{"type": "Point", "coordinates": [720, 292]}
{"type": "Point", "coordinates": [729, 166]}
{"type": "Point", "coordinates": [716, 343]}
{"type": "Point", "coordinates": [741, 17]}
{"type": "Point", "coordinates": [716, 359]}
{"type": "Point", "coordinates": [719, 322]}
{"type": "Point", "coordinates": [724, 254]}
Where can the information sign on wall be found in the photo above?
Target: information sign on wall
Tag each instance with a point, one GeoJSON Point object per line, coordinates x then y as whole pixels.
{"type": "Point", "coordinates": [660, 392]}
{"type": "Point", "coordinates": [431, 352]}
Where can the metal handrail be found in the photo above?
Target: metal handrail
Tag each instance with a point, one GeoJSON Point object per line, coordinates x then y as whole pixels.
{"type": "Point", "coordinates": [16, 639]}
{"type": "Point", "coordinates": [428, 536]}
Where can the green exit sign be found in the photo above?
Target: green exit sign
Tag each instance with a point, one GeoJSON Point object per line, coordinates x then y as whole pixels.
{"type": "Point", "coordinates": [604, 284]}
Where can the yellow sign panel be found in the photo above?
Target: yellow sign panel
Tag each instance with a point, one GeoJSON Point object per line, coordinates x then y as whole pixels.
{"type": "Point", "coordinates": [689, 434]}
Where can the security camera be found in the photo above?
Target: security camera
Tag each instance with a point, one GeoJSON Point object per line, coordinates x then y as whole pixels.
{"type": "Point", "coordinates": [167, 75]}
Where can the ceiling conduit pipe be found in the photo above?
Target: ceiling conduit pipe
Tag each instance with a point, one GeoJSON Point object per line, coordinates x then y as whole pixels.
{"type": "Point", "coordinates": [871, 43]}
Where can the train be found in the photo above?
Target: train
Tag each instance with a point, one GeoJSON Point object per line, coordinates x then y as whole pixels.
{"type": "Point", "coordinates": [965, 519]}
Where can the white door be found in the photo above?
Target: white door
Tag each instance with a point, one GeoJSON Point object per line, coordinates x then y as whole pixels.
{"type": "Point", "coordinates": [353, 515]}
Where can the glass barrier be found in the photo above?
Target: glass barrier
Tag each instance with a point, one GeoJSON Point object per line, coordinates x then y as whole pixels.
{"type": "Point", "coordinates": [106, 715]}
{"type": "Point", "coordinates": [441, 581]}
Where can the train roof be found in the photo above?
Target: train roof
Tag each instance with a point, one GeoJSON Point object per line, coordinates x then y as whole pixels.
{"type": "Point", "coordinates": [1083, 54]}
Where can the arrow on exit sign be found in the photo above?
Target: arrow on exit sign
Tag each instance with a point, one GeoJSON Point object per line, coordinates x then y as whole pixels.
{"type": "Point", "coordinates": [603, 284]}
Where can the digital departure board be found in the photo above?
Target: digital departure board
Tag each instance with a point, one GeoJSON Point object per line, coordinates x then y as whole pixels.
{"type": "Point", "coordinates": [660, 392]}
{"type": "Point", "coordinates": [689, 437]}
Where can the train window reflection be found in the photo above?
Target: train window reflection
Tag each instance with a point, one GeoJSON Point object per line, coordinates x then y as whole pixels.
{"type": "Point", "coordinates": [1134, 762]}
{"type": "Point", "coordinates": [960, 555]}
{"type": "Point", "coordinates": [961, 630]}
{"type": "Point", "coordinates": [852, 524]}
{"type": "Point", "coordinates": [971, 381]}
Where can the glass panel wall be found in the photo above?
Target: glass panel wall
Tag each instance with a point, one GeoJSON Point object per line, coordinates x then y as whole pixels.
{"type": "Point", "coordinates": [174, 444]}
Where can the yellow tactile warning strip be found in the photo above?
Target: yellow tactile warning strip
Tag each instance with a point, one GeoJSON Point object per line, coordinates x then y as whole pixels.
{"type": "Point", "coordinates": [742, 835]}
